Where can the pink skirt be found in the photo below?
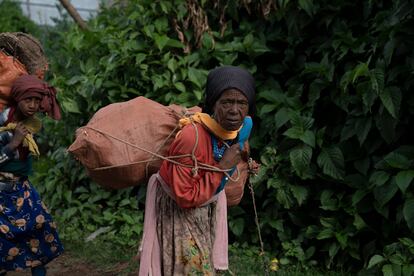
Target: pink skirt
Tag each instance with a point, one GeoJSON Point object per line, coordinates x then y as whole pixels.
{"type": "Point", "coordinates": [179, 241]}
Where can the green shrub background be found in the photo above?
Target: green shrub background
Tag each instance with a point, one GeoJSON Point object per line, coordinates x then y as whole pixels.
{"type": "Point", "coordinates": [333, 122]}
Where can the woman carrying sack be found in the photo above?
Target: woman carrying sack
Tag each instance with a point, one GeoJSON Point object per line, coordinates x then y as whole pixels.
{"type": "Point", "coordinates": [185, 227]}
{"type": "Point", "coordinates": [28, 236]}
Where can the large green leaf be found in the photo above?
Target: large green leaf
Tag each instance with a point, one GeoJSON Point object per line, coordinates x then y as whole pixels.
{"type": "Point", "coordinates": [403, 179]}
{"type": "Point", "coordinates": [379, 178]}
{"type": "Point", "coordinates": [161, 41]}
{"type": "Point", "coordinates": [266, 109]}
{"type": "Point", "coordinates": [375, 260]}
{"type": "Point", "coordinates": [378, 79]}
{"type": "Point", "coordinates": [282, 193]}
{"type": "Point", "coordinates": [331, 161]}
{"type": "Point", "coordinates": [294, 133]}
{"type": "Point", "coordinates": [358, 196]}
{"type": "Point", "coordinates": [362, 165]}
{"type": "Point", "coordinates": [397, 160]}
{"type": "Point", "coordinates": [391, 99]}
{"type": "Point", "coordinates": [300, 158]}
{"type": "Point", "coordinates": [327, 202]}
{"type": "Point", "coordinates": [407, 269]}
{"type": "Point", "coordinates": [308, 137]}
{"type": "Point", "coordinates": [359, 71]}
{"type": "Point", "coordinates": [333, 250]}
{"type": "Point", "coordinates": [387, 270]}
{"type": "Point", "coordinates": [386, 124]}
{"type": "Point", "coordinates": [315, 91]}
{"type": "Point", "coordinates": [196, 76]}
{"type": "Point", "coordinates": [342, 239]}
{"type": "Point", "coordinates": [325, 234]}
{"type": "Point", "coordinates": [409, 212]}
{"type": "Point", "coordinates": [273, 94]}
{"type": "Point", "coordinates": [308, 6]}
{"type": "Point", "coordinates": [237, 226]}
{"type": "Point", "coordinates": [301, 122]}
{"type": "Point", "coordinates": [300, 193]}
{"type": "Point", "coordinates": [359, 223]}
{"type": "Point", "coordinates": [408, 243]}
{"type": "Point", "coordinates": [348, 130]}
{"type": "Point", "coordinates": [389, 50]}
{"type": "Point", "coordinates": [281, 117]}
{"type": "Point", "coordinates": [362, 128]}
{"type": "Point", "coordinates": [384, 193]}
{"type": "Point", "coordinates": [284, 196]}
{"type": "Point", "coordinates": [368, 95]}
{"type": "Point", "coordinates": [70, 106]}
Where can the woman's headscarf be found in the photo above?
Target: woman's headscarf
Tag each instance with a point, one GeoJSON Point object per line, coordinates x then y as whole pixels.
{"type": "Point", "coordinates": [227, 77]}
{"type": "Point", "coordinates": [28, 86]}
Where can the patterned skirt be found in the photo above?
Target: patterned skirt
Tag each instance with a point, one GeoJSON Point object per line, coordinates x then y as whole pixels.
{"type": "Point", "coordinates": [28, 236]}
{"type": "Point", "coordinates": [186, 237]}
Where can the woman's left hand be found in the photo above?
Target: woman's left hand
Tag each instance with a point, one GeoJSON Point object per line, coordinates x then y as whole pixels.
{"type": "Point", "coordinates": [254, 167]}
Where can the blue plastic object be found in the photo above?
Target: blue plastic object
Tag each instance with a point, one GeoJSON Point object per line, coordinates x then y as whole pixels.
{"type": "Point", "coordinates": [243, 136]}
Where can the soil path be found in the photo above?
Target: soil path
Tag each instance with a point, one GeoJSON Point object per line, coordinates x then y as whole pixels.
{"type": "Point", "coordinates": [66, 265]}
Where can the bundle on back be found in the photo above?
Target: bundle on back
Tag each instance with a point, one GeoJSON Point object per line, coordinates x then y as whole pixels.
{"type": "Point", "coordinates": [10, 70]}
{"type": "Point", "coordinates": [20, 54]}
{"type": "Point", "coordinates": [118, 144]}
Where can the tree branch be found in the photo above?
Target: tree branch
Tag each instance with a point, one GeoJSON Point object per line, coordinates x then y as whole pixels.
{"type": "Point", "coordinates": [74, 14]}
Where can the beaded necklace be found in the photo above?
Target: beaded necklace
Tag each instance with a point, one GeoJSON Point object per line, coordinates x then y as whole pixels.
{"type": "Point", "coordinates": [219, 151]}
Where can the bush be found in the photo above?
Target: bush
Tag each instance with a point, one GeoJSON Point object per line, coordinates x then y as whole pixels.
{"type": "Point", "coordinates": [13, 20]}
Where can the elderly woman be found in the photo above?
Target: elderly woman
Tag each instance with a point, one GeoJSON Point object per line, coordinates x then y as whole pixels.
{"type": "Point", "coordinates": [28, 236]}
{"type": "Point", "coordinates": [185, 228]}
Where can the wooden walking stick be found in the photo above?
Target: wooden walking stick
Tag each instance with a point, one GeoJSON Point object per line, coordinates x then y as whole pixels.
{"type": "Point", "coordinates": [256, 220]}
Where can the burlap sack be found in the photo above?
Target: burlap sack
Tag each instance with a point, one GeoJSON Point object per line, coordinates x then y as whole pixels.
{"type": "Point", "coordinates": [140, 122]}
{"type": "Point", "coordinates": [20, 54]}
{"type": "Point", "coordinates": [143, 123]}
{"type": "Point", "coordinates": [235, 189]}
{"type": "Point", "coordinates": [27, 50]}
{"type": "Point", "coordinates": [10, 69]}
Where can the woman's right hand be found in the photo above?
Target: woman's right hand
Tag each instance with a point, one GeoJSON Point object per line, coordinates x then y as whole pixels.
{"type": "Point", "coordinates": [232, 156]}
{"type": "Point", "coordinates": [19, 133]}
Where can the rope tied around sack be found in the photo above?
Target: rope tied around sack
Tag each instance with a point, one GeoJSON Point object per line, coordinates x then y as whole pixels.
{"type": "Point", "coordinates": [185, 113]}
{"type": "Point", "coordinates": [193, 157]}
{"type": "Point", "coordinates": [194, 168]}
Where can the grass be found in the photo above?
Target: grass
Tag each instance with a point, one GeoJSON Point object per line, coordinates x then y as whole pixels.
{"type": "Point", "coordinates": [247, 261]}
{"type": "Point", "coordinates": [116, 260]}
{"type": "Point", "coordinates": [104, 255]}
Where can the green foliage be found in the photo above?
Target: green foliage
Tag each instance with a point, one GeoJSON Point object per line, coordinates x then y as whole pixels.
{"type": "Point", "coordinates": [83, 209]}
{"type": "Point", "coordinates": [13, 20]}
{"type": "Point", "coordinates": [333, 129]}
{"type": "Point", "coordinates": [396, 259]}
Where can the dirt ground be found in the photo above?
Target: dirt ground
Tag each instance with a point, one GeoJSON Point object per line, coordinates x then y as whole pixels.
{"type": "Point", "coordinates": [66, 265]}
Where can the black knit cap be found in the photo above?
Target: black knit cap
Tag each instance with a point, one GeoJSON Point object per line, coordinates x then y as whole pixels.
{"type": "Point", "coordinates": [227, 77]}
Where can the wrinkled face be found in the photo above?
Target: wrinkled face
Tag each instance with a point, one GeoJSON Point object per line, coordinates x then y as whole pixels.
{"type": "Point", "coordinates": [230, 109]}
{"type": "Point", "coordinates": [29, 106]}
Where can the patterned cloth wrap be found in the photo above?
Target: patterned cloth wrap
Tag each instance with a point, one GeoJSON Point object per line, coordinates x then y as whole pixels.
{"type": "Point", "coordinates": [28, 236]}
